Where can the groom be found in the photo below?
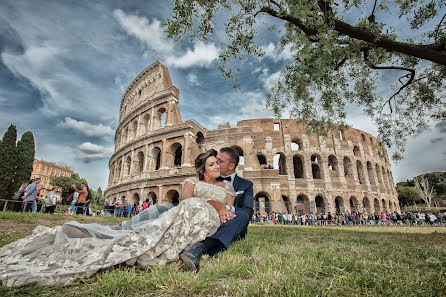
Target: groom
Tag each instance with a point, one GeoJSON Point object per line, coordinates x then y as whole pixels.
{"type": "Point", "coordinates": [235, 218]}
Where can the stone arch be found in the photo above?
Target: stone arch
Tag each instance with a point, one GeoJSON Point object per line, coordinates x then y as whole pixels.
{"type": "Point", "coordinates": [123, 200]}
{"type": "Point", "coordinates": [296, 144]}
{"type": "Point", "coordinates": [370, 173]}
{"type": "Point", "coordinates": [356, 151]}
{"type": "Point", "coordinates": [262, 159]}
{"type": "Point", "coordinates": [280, 163]}
{"type": "Point", "coordinates": [262, 203]}
{"type": "Point", "coordinates": [302, 204]}
{"type": "Point", "coordinates": [339, 205]}
{"type": "Point", "coordinates": [348, 168]}
{"type": "Point", "coordinates": [134, 129]}
{"type": "Point", "coordinates": [140, 162]}
{"type": "Point", "coordinates": [383, 173]}
{"type": "Point", "coordinates": [363, 137]}
{"type": "Point", "coordinates": [128, 165]}
{"type": "Point", "coordinates": [146, 123]}
{"type": "Point", "coordinates": [241, 155]}
{"type": "Point", "coordinates": [354, 204]}
{"type": "Point", "coordinates": [125, 135]}
{"type": "Point", "coordinates": [199, 138]}
{"type": "Point", "coordinates": [376, 205]}
{"type": "Point", "coordinates": [174, 155]}
{"type": "Point", "coordinates": [173, 197]}
{"type": "Point", "coordinates": [384, 205]}
{"type": "Point", "coordinates": [298, 165]}
{"type": "Point", "coordinates": [155, 159]}
{"type": "Point", "coordinates": [136, 199]}
{"type": "Point", "coordinates": [152, 197]}
{"type": "Point", "coordinates": [287, 204]}
{"type": "Point", "coordinates": [360, 170]}
{"type": "Point", "coordinates": [321, 205]}
{"type": "Point", "coordinates": [366, 204]}
{"type": "Point", "coordinates": [316, 167]}
{"type": "Point", "coordinates": [159, 119]}
{"type": "Point", "coordinates": [378, 176]}
{"type": "Point", "coordinates": [333, 166]}
{"type": "Point", "coordinates": [118, 175]}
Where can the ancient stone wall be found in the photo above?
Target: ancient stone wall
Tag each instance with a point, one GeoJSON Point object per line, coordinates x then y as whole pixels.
{"type": "Point", "coordinates": [292, 170]}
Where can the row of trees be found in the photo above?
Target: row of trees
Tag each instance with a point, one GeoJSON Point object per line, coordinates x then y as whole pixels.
{"type": "Point", "coordinates": [16, 160]}
{"type": "Point", "coordinates": [424, 188]}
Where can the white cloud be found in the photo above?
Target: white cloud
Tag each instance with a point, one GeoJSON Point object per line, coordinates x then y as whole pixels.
{"type": "Point", "coordinates": [193, 79]}
{"type": "Point", "coordinates": [92, 152]}
{"type": "Point", "coordinates": [87, 128]}
{"type": "Point", "coordinates": [202, 55]}
{"type": "Point", "coordinates": [276, 53]}
{"type": "Point", "coordinates": [268, 80]}
{"type": "Point", "coordinates": [151, 34]}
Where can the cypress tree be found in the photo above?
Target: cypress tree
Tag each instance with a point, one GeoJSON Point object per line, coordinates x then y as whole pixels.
{"type": "Point", "coordinates": [8, 160]}
{"type": "Point", "coordinates": [25, 159]}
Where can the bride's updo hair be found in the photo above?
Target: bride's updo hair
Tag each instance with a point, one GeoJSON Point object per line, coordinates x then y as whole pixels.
{"type": "Point", "coordinates": [200, 162]}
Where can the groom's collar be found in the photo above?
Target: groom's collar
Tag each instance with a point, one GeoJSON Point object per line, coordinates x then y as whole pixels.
{"type": "Point", "coordinates": [232, 177]}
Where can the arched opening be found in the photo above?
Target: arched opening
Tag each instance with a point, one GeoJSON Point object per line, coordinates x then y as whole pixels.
{"type": "Point", "coordinates": [333, 166]}
{"type": "Point", "coordinates": [159, 120]}
{"type": "Point", "coordinates": [146, 123]}
{"type": "Point", "coordinates": [348, 172]}
{"type": "Point", "coordinates": [173, 197]}
{"type": "Point", "coordinates": [339, 205]}
{"type": "Point", "coordinates": [376, 205]}
{"type": "Point", "coordinates": [178, 156]}
{"type": "Point", "coordinates": [155, 159]}
{"type": "Point", "coordinates": [118, 175]}
{"type": "Point", "coordinates": [286, 203]}
{"type": "Point", "coordinates": [356, 151]}
{"type": "Point", "coordinates": [262, 203]}
{"type": "Point", "coordinates": [378, 177]}
{"type": "Point", "coordinates": [134, 129]}
{"type": "Point", "coordinates": [363, 137]}
{"type": "Point", "coordinates": [316, 167]}
{"type": "Point", "coordinates": [200, 138]}
{"type": "Point", "coordinates": [370, 173]}
{"type": "Point", "coordinates": [384, 204]}
{"type": "Point", "coordinates": [163, 120]}
{"type": "Point", "coordinates": [302, 204]}
{"type": "Point", "coordinates": [125, 135]}
{"type": "Point", "coordinates": [262, 160]}
{"type": "Point", "coordinates": [320, 204]}
{"type": "Point", "coordinates": [128, 162]}
{"type": "Point", "coordinates": [135, 199]}
{"type": "Point", "coordinates": [239, 150]}
{"type": "Point", "coordinates": [360, 170]}
{"type": "Point", "coordinates": [152, 197]}
{"type": "Point", "coordinates": [354, 204]}
{"type": "Point", "coordinates": [140, 158]}
{"type": "Point", "coordinates": [296, 144]}
{"type": "Point", "coordinates": [123, 200]}
{"type": "Point", "coordinates": [280, 163]}
{"type": "Point", "coordinates": [366, 205]}
{"type": "Point", "coordinates": [383, 172]}
{"type": "Point", "coordinates": [298, 166]}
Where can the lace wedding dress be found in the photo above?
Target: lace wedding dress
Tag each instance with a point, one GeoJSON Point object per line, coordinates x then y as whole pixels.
{"type": "Point", "coordinates": [49, 256]}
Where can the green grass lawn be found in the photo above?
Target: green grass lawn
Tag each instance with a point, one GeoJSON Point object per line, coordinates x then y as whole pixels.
{"type": "Point", "coordinates": [273, 261]}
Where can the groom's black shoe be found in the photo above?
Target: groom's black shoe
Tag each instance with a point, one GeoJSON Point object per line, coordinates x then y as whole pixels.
{"type": "Point", "coordinates": [192, 256]}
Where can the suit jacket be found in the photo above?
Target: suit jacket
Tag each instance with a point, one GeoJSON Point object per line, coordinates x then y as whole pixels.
{"type": "Point", "coordinates": [244, 200]}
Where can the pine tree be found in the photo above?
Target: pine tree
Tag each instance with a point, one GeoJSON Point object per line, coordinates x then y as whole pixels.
{"type": "Point", "coordinates": [8, 160]}
{"type": "Point", "coordinates": [25, 159]}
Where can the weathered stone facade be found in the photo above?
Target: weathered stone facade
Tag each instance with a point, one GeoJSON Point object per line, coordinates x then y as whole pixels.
{"type": "Point", "coordinates": [344, 171]}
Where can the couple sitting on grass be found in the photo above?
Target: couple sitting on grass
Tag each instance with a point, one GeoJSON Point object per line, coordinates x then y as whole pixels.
{"type": "Point", "coordinates": [214, 211]}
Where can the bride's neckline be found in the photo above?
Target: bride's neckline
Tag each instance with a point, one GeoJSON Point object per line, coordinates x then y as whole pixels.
{"type": "Point", "coordinates": [215, 185]}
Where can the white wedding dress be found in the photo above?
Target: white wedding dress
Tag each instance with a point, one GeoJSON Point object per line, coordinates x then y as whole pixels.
{"type": "Point", "coordinates": [49, 257]}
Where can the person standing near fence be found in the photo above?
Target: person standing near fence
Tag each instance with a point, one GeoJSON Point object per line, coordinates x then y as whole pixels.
{"type": "Point", "coordinates": [31, 195]}
{"type": "Point", "coordinates": [80, 204]}
{"type": "Point", "coordinates": [50, 201]}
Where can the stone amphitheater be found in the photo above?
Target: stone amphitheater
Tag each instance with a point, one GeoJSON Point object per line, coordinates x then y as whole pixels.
{"type": "Point", "coordinates": [292, 170]}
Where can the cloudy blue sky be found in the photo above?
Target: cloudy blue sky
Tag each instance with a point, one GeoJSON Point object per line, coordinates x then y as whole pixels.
{"type": "Point", "coordinates": [64, 66]}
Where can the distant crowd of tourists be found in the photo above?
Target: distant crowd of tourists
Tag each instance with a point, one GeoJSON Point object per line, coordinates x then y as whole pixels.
{"type": "Point", "coordinates": [354, 218]}
{"type": "Point", "coordinates": [125, 209]}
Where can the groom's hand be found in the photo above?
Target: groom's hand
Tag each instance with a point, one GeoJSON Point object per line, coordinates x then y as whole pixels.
{"type": "Point", "coordinates": [223, 213]}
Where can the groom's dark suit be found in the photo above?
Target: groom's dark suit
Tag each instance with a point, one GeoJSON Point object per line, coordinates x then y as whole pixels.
{"type": "Point", "coordinates": [237, 227]}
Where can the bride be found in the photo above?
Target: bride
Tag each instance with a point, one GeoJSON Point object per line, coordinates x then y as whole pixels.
{"type": "Point", "coordinates": [63, 254]}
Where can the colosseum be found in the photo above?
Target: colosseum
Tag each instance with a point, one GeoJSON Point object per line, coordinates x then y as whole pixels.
{"type": "Point", "coordinates": [292, 170]}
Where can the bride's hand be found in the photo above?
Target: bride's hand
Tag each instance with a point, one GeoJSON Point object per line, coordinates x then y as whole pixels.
{"type": "Point", "coordinates": [225, 215]}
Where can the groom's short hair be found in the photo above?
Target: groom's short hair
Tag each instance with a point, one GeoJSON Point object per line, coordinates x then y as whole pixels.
{"type": "Point", "coordinates": [232, 153]}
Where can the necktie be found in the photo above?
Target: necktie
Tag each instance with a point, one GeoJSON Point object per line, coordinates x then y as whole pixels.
{"type": "Point", "coordinates": [221, 178]}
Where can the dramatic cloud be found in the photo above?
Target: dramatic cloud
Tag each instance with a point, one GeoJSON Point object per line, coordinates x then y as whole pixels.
{"type": "Point", "coordinates": [268, 80]}
{"type": "Point", "coordinates": [192, 78]}
{"type": "Point", "coordinates": [91, 152]}
{"type": "Point", "coordinates": [435, 140]}
{"type": "Point", "coordinates": [276, 53]}
{"type": "Point", "coordinates": [87, 128]}
{"type": "Point", "coordinates": [152, 35]}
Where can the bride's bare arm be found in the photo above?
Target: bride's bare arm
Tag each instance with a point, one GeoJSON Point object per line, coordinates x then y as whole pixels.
{"type": "Point", "coordinates": [188, 191]}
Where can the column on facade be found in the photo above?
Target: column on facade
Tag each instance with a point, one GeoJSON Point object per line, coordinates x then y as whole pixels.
{"type": "Point", "coordinates": [164, 158]}
{"type": "Point", "coordinates": [187, 149]}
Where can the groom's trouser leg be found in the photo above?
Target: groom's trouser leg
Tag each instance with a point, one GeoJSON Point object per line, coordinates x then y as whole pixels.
{"type": "Point", "coordinates": [230, 231]}
{"type": "Point", "coordinates": [150, 213]}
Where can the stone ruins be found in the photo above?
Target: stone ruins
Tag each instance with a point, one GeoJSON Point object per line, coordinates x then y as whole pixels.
{"type": "Point", "coordinates": [292, 170]}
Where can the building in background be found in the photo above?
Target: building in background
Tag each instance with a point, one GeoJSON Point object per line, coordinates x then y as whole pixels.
{"type": "Point", "coordinates": [292, 170]}
{"type": "Point", "coordinates": [46, 171]}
